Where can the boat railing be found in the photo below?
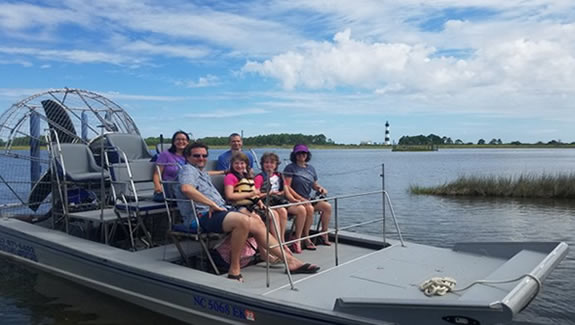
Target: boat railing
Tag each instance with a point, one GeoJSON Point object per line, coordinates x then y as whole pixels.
{"type": "Point", "coordinates": [337, 229]}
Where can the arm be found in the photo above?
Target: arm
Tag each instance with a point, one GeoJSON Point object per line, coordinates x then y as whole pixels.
{"type": "Point", "coordinates": [156, 179]}
{"type": "Point", "coordinates": [236, 196]}
{"type": "Point", "coordinates": [290, 192]}
{"type": "Point", "coordinates": [193, 194]}
{"type": "Point", "coordinates": [319, 188]}
{"type": "Point", "coordinates": [216, 172]}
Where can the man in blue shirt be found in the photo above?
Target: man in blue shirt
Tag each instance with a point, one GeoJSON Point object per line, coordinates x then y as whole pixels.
{"type": "Point", "coordinates": [236, 144]}
{"type": "Point", "coordinates": [215, 216]}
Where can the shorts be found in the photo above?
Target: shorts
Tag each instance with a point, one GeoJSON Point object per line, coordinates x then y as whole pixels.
{"type": "Point", "coordinates": [215, 222]}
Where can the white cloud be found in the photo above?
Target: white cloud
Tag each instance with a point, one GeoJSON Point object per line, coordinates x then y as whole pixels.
{"type": "Point", "coordinates": [142, 47]}
{"type": "Point", "coordinates": [391, 67]}
{"type": "Point", "coordinates": [202, 82]}
{"type": "Point", "coordinates": [223, 114]}
{"type": "Point", "coordinates": [74, 56]}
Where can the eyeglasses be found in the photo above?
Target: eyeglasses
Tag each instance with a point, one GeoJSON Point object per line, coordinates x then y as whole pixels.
{"type": "Point", "coordinates": [197, 155]}
{"type": "Point", "coordinates": [301, 153]}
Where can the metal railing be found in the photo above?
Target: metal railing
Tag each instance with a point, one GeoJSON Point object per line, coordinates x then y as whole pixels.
{"type": "Point", "coordinates": [386, 202]}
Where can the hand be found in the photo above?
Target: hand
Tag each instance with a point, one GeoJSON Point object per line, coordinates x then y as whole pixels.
{"type": "Point", "coordinates": [215, 208]}
{"type": "Point", "coordinates": [322, 190]}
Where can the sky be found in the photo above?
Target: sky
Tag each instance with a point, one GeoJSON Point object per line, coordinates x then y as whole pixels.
{"type": "Point", "coordinates": [467, 70]}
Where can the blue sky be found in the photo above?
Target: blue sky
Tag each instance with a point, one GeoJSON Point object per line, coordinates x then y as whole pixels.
{"type": "Point", "coordinates": [464, 69]}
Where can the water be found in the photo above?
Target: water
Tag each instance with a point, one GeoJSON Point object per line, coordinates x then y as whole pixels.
{"type": "Point", "coordinates": [28, 297]}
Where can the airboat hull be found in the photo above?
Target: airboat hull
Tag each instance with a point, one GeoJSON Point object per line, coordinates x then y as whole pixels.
{"type": "Point", "coordinates": [374, 286]}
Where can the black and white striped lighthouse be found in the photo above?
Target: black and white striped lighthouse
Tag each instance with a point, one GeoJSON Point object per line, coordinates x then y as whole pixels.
{"type": "Point", "coordinates": [387, 141]}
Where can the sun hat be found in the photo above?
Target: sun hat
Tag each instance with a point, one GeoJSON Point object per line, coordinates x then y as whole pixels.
{"type": "Point", "coordinates": [300, 148]}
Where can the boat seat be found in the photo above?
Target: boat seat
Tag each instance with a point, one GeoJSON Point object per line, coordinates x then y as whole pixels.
{"type": "Point", "coordinates": [211, 165]}
{"type": "Point", "coordinates": [218, 181]}
{"type": "Point", "coordinates": [133, 191]}
{"type": "Point", "coordinates": [132, 145]}
{"type": "Point", "coordinates": [179, 231]}
{"type": "Point", "coordinates": [78, 162]}
{"type": "Point", "coordinates": [134, 179]}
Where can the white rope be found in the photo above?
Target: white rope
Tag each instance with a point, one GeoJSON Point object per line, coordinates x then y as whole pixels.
{"type": "Point", "coordinates": [437, 286]}
{"type": "Point", "coordinates": [440, 286]}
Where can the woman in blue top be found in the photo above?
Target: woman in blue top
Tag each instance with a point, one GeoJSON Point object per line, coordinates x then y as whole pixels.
{"type": "Point", "coordinates": [301, 177]}
{"type": "Point", "coordinates": [169, 163]}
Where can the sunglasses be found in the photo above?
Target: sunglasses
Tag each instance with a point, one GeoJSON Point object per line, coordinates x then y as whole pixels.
{"type": "Point", "coordinates": [197, 155]}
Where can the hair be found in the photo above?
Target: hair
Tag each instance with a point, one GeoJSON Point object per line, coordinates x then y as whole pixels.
{"type": "Point", "coordinates": [270, 155]}
{"type": "Point", "coordinates": [233, 135]}
{"type": "Point", "coordinates": [293, 154]}
{"type": "Point", "coordinates": [193, 145]}
{"type": "Point", "coordinates": [242, 157]}
{"type": "Point", "coordinates": [173, 146]}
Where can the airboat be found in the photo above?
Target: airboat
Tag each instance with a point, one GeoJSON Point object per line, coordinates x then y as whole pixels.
{"type": "Point", "coordinates": [75, 201]}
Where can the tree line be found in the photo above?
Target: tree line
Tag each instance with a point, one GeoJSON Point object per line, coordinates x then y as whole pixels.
{"type": "Point", "coordinates": [281, 139]}
{"type": "Point", "coordinates": [433, 139]}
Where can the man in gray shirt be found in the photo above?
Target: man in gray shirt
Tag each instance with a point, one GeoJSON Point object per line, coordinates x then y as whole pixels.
{"type": "Point", "coordinates": [214, 216]}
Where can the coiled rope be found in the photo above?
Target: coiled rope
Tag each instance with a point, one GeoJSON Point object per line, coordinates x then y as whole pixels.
{"type": "Point", "coordinates": [440, 286]}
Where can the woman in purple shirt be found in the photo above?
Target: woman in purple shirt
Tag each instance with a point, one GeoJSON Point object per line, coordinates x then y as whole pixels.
{"type": "Point", "coordinates": [169, 163]}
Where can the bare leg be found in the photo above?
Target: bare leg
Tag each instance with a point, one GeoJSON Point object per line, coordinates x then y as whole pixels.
{"type": "Point", "coordinates": [308, 219]}
{"type": "Point", "coordinates": [239, 225]}
{"type": "Point", "coordinates": [282, 216]}
{"type": "Point", "coordinates": [325, 211]}
{"type": "Point", "coordinates": [258, 230]}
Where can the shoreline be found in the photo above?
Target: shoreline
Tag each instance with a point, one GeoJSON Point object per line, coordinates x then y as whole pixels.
{"type": "Point", "coordinates": [382, 147]}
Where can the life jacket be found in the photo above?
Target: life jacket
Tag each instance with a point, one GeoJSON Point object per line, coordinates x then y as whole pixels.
{"type": "Point", "coordinates": [266, 184]}
{"type": "Point", "coordinates": [243, 186]}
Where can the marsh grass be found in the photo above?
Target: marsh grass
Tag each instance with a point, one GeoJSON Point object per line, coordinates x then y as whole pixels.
{"type": "Point", "coordinates": [525, 186]}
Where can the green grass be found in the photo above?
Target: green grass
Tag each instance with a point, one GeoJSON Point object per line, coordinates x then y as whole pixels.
{"type": "Point", "coordinates": [524, 186]}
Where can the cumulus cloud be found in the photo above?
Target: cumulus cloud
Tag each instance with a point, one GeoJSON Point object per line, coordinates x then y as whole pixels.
{"type": "Point", "coordinates": [400, 67]}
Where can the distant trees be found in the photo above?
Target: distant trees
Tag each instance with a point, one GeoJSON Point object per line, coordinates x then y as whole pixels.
{"type": "Point", "coordinates": [261, 140]}
{"type": "Point", "coordinates": [433, 139]}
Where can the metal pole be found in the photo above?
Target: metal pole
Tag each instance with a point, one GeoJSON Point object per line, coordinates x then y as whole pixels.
{"type": "Point", "coordinates": [103, 225]}
{"type": "Point", "coordinates": [383, 199]}
{"type": "Point", "coordinates": [336, 234]}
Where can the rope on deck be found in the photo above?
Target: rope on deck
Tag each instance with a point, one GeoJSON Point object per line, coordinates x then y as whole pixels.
{"type": "Point", "coordinates": [440, 286]}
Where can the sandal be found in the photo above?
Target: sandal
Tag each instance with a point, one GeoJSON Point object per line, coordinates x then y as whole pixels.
{"type": "Point", "coordinates": [305, 269]}
{"type": "Point", "coordinates": [322, 241]}
{"type": "Point", "coordinates": [308, 245]}
{"type": "Point", "coordinates": [237, 277]}
{"type": "Point", "coordinates": [296, 247]}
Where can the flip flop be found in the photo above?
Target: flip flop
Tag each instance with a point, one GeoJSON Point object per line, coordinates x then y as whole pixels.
{"type": "Point", "coordinates": [237, 277]}
{"type": "Point", "coordinates": [305, 269]}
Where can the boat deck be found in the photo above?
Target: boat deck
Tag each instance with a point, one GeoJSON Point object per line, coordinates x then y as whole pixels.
{"type": "Point", "coordinates": [368, 284]}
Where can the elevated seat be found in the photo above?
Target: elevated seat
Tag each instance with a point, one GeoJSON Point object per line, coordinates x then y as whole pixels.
{"type": "Point", "coordinates": [120, 147]}
{"type": "Point", "coordinates": [78, 164]}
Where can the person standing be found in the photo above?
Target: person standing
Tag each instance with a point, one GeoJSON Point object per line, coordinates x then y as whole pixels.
{"type": "Point", "coordinates": [236, 145]}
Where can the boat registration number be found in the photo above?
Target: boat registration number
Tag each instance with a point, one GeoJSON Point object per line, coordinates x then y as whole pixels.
{"type": "Point", "coordinates": [224, 308]}
{"type": "Point", "coordinates": [18, 249]}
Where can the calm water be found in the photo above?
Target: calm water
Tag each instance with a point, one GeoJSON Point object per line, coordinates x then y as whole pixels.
{"type": "Point", "coordinates": [27, 297]}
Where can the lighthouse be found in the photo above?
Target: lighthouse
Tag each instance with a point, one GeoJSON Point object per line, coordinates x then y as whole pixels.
{"type": "Point", "coordinates": [387, 141]}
